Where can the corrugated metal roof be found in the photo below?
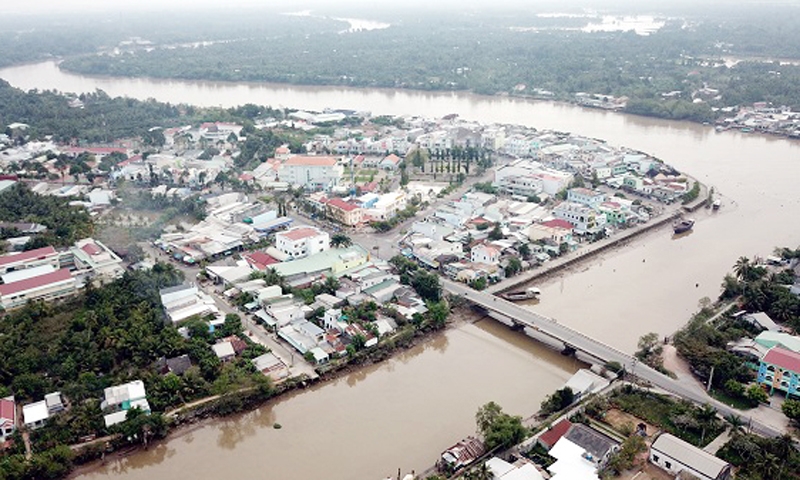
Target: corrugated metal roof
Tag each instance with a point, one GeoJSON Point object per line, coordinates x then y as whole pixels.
{"type": "Point", "coordinates": [689, 455]}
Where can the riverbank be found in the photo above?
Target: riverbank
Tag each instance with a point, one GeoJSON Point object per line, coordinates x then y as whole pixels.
{"type": "Point", "coordinates": [190, 417]}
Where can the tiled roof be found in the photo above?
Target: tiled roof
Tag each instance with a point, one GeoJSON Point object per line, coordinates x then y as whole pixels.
{"type": "Point", "coordinates": [550, 437]}
{"type": "Point", "coordinates": [91, 249]}
{"type": "Point", "coordinates": [29, 255]}
{"type": "Point", "coordinates": [341, 204]}
{"type": "Point", "coordinates": [558, 223]}
{"type": "Point", "coordinates": [300, 233]}
{"type": "Point", "coordinates": [30, 283]}
{"type": "Point", "coordinates": [311, 161]}
{"type": "Point", "coordinates": [786, 359]}
{"type": "Point", "coordinates": [7, 409]}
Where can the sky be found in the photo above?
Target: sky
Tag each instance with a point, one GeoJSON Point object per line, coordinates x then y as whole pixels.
{"type": "Point", "coordinates": [85, 6]}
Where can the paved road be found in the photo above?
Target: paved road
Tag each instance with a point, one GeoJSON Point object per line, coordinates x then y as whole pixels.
{"type": "Point", "coordinates": [601, 351]}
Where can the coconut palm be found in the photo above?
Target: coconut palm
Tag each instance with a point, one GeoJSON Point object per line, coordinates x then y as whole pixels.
{"type": "Point", "coordinates": [742, 268]}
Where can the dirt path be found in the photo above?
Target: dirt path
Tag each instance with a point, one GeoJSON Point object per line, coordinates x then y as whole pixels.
{"type": "Point", "coordinates": [680, 367]}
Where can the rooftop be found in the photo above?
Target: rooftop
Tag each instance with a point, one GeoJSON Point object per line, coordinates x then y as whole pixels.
{"type": "Point", "coordinates": [786, 359]}
{"type": "Point", "coordinates": [38, 253]}
{"type": "Point", "coordinates": [299, 233]}
{"type": "Point", "coordinates": [550, 437]}
{"type": "Point", "coordinates": [689, 455]}
{"type": "Point", "coordinates": [7, 409]}
{"type": "Point", "coordinates": [35, 282]}
{"type": "Point", "coordinates": [558, 223]}
{"type": "Point", "coordinates": [311, 161]}
{"type": "Point", "coordinates": [341, 204]}
{"type": "Point", "coordinates": [594, 442]}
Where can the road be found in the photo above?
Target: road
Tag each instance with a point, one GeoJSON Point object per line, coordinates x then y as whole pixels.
{"type": "Point", "coordinates": [296, 363]}
{"type": "Point", "coordinates": [602, 352]}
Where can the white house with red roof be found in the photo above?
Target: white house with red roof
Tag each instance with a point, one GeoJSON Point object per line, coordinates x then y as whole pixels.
{"type": "Point", "coordinates": [312, 172]}
{"type": "Point", "coordinates": [391, 162]}
{"type": "Point", "coordinates": [585, 219]}
{"type": "Point", "coordinates": [483, 253]}
{"type": "Point", "coordinates": [8, 418]}
{"type": "Point", "coordinates": [299, 242]}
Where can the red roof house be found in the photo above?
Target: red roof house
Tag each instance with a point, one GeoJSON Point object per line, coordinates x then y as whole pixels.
{"type": "Point", "coordinates": [550, 437]}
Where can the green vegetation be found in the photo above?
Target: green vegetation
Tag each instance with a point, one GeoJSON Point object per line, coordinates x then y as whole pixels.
{"type": "Point", "coordinates": [759, 458]}
{"type": "Point", "coordinates": [557, 401]}
{"type": "Point", "coordinates": [692, 194]}
{"type": "Point", "coordinates": [624, 459]}
{"type": "Point", "coordinates": [499, 429]}
{"type": "Point", "coordinates": [65, 224]}
{"type": "Point", "coordinates": [112, 335]}
{"type": "Point", "coordinates": [696, 425]}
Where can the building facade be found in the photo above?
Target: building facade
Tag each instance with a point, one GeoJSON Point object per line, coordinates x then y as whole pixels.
{"type": "Point", "coordinates": [313, 173]}
{"type": "Point", "coordinates": [299, 242]}
{"type": "Point", "coordinates": [780, 370]}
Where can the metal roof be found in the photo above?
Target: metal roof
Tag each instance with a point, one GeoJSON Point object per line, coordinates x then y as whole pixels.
{"type": "Point", "coordinates": [689, 455]}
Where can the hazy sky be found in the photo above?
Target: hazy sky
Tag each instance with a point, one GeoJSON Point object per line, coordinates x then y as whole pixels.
{"type": "Point", "coordinates": [77, 6]}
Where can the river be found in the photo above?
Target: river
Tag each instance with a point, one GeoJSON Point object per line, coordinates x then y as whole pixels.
{"type": "Point", "coordinates": [653, 284]}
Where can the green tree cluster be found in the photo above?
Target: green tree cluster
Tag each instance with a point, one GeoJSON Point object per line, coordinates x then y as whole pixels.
{"type": "Point", "coordinates": [498, 428]}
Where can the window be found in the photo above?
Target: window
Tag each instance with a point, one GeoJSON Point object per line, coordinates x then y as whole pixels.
{"type": "Point", "coordinates": [655, 458]}
{"type": "Point", "coordinates": [668, 464]}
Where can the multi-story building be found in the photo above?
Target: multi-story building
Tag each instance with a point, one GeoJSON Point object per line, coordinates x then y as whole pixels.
{"type": "Point", "coordinates": [344, 212]}
{"type": "Point", "coordinates": [483, 253]}
{"type": "Point", "coordinates": [121, 398]}
{"type": "Point", "coordinates": [585, 219]}
{"type": "Point", "coordinates": [780, 370]}
{"type": "Point", "coordinates": [299, 242]}
{"type": "Point", "coordinates": [40, 283]}
{"type": "Point", "coordinates": [30, 259]}
{"type": "Point", "coordinates": [554, 231]}
{"type": "Point", "coordinates": [585, 196]}
{"type": "Point", "coordinates": [97, 260]}
{"type": "Point", "coordinates": [8, 418]}
{"type": "Point", "coordinates": [312, 172]}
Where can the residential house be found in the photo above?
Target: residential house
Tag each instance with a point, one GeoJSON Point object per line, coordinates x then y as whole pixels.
{"type": "Point", "coordinates": [299, 242]}
{"type": "Point", "coordinates": [597, 446]}
{"type": "Point", "coordinates": [762, 320]}
{"type": "Point", "coordinates": [312, 172]}
{"type": "Point", "coordinates": [224, 351]}
{"type": "Point", "coordinates": [8, 418]}
{"type": "Point", "coordinates": [463, 453]}
{"type": "Point", "coordinates": [483, 253]}
{"type": "Point", "coordinates": [780, 370]}
{"type": "Point", "coordinates": [572, 462]}
{"type": "Point", "coordinates": [35, 415]}
{"type": "Point", "coordinates": [302, 335]}
{"type": "Point", "coordinates": [769, 339]}
{"type": "Point", "coordinates": [585, 219]}
{"type": "Point", "coordinates": [272, 366]}
{"type": "Point", "coordinates": [554, 231]}
{"type": "Point", "coordinates": [184, 301]}
{"type": "Point", "coordinates": [121, 398]}
{"type": "Point", "coordinates": [391, 162]}
{"type": "Point", "coordinates": [177, 365]}
{"type": "Point", "coordinates": [386, 206]}
{"type": "Point", "coordinates": [521, 469]}
{"type": "Point", "coordinates": [344, 212]}
{"type": "Point", "coordinates": [677, 457]}
{"type": "Point", "coordinates": [549, 438]}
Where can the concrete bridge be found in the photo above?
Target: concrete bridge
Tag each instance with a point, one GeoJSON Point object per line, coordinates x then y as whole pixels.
{"type": "Point", "coordinates": [515, 315]}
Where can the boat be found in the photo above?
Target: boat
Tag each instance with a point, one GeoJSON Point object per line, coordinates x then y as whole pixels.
{"type": "Point", "coordinates": [716, 204]}
{"type": "Point", "coordinates": [527, 294]}
{"type": "Point", "coordinates": [683, 226]}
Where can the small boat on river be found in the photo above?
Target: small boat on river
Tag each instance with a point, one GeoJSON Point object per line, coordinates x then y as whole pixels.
{"type": "Point", "coordinates": [683, 226]}
{"type": "Point", "coordinates": [527, 294]}
{"type": "Point", "coordinates": [716, 204]}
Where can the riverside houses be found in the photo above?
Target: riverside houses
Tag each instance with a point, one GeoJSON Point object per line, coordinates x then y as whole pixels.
{"type": "Point", "coordinates": [780, 370]}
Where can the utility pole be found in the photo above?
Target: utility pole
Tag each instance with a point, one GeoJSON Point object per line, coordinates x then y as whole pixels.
{"type": "Point", "coordinates": [710, 378]}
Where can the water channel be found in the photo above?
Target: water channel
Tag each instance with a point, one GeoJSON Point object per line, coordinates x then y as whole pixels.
{"type": "Point", "coordinates": [401, 413]}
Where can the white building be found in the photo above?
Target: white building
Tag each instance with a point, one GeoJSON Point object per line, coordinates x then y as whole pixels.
{"type": "Point", "coordinates": [40, 283]}
{"type": "Point", "coordinates": [184, 301]}
{"type": "Point", "coordinates": [676, 456]}
{"type": "Point", "coordinates": [585, 196]}
{"type": "Point", "coordinates": [96, 260]}
{"type": "Point", "coordinates": [121, 398]}
{"type": "Point", "coordinates": [483, 253]}
{"type": "Point", "coordinates": [585, 219]}
{"type": "Point", "coordinates": [30, 259]}
{"type": "Point", "coordinates": [299, 242]}
{"type": "Point", "coordinates": [313, 173]}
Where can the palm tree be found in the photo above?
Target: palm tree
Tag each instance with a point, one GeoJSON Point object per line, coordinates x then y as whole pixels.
{"type": "Point", "coordinates": [742, 268]}
{"type": "Point", "coordinates": [706, 416]}
{"type": "Point", "coordinates": [341, 240]}
{"type": "Point", "coordinates": [735, 422]}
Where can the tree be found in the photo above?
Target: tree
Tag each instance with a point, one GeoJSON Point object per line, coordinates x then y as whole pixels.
{"type": "Point", "coordinates": [427, 285]}
{"type": "Point", "coordinates": [650, 350]}
{"type": "Point", "coordinates": [496, 233]}
{"type": "Point", "coordinates": [742, 268]}
{"type": "Point", "coordinates": [524, 250]}
{"type": "Point", "coordinates": [514, 266]}
{"type": "Point", "coordinates": [499, 429]}
{"type": "Point", "coordinates": [438, 313]}
{"type": "Point", "coordinates": [479, 283]}
{"type": "Point", "coordinates": [557, 401]}
{"type": "Point", "coordinates": [756, 394]}
{"type": "Point", "coordinates": [340, 240]}
{"type": "Point", "coordinates": [791, 408]}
